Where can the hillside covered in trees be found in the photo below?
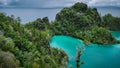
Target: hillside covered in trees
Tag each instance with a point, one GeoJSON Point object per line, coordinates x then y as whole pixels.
{"type": "Point", "coordinates": [85, 23]}
{"type": "Point", "coordinates": [27, 45]}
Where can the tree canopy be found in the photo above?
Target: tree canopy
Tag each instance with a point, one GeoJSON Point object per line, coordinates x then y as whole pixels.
{"type": "Point", "coordinates": [27, 45]}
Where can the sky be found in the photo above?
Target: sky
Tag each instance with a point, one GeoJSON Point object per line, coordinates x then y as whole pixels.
{"type": "Point", "coordinates": [55, 3]}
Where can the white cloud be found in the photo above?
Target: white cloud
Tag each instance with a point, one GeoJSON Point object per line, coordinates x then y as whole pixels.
{"type": "Point", "coordinates": [104, 3]}
{"type": "Point", "coordinates": [8, 2]}
{"type": "Point", "coordinates": [4, 2]}
{"type": "Point", "coordinates": [92, 2]}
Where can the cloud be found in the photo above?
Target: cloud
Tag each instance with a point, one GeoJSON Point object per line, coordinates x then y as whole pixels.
{"type": "Point", "coordinates": [46, 3]}
{"type": "Point", "coordinates": [8, 2]}
{"type": "Point", "coordinates": [4, 2]}
{"type": "Point", "coordinates": [56, 3]}
{"type": "Point", "coordinates": [104, 3]}
{"type": "Point", "coordinates": [37, 3]}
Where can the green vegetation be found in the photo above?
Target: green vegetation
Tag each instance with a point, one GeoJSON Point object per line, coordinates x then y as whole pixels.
{"type": "Point", "coordinates": [27, 45]}
{"type": "Point", "coordinates": [111, 22]}
{"type": "Point", "coordinates": [85, 23]}
{"type": "Point", "coordinates": [8, 60]}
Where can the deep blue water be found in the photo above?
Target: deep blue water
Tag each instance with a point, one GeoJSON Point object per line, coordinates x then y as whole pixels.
{"type": "Point", "coordinates": [28, 15]}
{"type": "Point", "coordinates": [94, 56]}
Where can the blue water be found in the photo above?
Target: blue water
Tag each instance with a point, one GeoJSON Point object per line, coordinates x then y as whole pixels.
{"type": "Point", "coordinates": [94, 55]}
{"type": "Point", "coordinates": [28, 15]}
{"type": "Point", "coordinates": [116, 34]}
{"type": "Point", "coordinates": [113, 11]}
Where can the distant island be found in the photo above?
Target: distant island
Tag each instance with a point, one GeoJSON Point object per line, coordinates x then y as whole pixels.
{"type": "Point", "coordinates": [27, 45]}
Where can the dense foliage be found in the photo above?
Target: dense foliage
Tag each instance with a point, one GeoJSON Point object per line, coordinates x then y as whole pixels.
{"type": "Point", "coordinates": [28, 44]}
{"type": "Point", "coordinates": [85, 23]}
{"type": "Point", "coordinates": [113, 23]}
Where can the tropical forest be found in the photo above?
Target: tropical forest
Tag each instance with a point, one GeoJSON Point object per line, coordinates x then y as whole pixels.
{"type": "Point", "coordinates": [28, 45]}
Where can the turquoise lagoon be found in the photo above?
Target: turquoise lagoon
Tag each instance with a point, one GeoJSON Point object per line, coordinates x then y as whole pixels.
{"type": "Point", "coordinates": [116, 34]}
{"type": "Point", "coordinates": [94, 55]}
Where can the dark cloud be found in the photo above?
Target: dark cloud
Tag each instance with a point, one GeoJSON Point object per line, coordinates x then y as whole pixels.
{"type": "Point", "coordinates": [56, 3]}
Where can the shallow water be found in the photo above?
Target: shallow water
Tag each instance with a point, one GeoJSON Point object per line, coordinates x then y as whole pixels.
{"type": "Point", "coordinates": [94, 56]}
{"type": "Point", "coordinates": [116, 34]}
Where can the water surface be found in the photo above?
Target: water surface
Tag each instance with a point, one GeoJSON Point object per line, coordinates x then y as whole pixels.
{"type": "Point", "coordinates": [94, 56]}
{"type": "Point", "coordinates": [28, 15]}
{"type": "Point", "coordinates": [116, 34]}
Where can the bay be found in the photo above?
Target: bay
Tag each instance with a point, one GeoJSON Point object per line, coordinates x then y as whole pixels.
{"type": "Point", "coordinates": [94, 55]}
